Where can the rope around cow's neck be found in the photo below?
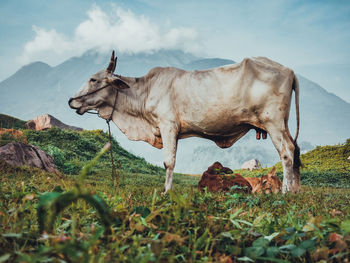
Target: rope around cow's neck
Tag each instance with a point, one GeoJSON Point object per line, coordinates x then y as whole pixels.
{"type": "Point", "coordinates": [114, 170]}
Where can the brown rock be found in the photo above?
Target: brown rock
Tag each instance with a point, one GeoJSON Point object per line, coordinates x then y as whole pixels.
{"type": "Point", "coordinates": [19, 154]}
{"type": "Point", "coordinates": [47, 121]}
{"type": "Point", "coordinates": [30, 125]}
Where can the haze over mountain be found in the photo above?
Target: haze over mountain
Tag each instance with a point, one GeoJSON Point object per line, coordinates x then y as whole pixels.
{"type": "Point", "coordinates": [38, 88]}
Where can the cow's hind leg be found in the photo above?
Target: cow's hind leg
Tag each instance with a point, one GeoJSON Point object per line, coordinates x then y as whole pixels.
{"type": "Point", "coordinates": [288, 152]}
{"type": "Point", "coordinates": [169, 138]}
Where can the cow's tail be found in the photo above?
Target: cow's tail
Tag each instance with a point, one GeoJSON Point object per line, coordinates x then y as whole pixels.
{"type": "Point", "coordinates": [295, 87]}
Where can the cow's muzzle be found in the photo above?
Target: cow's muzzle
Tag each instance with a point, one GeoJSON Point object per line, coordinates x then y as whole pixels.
{"type": "Point", "coordinates": [70, 103]}
{"type": "Point", "coordinates": [78, 109]}
{"type": "Point", "coordinates": [70, 100]}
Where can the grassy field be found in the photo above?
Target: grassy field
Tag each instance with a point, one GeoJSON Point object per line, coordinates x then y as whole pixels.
{"type": "Point", "coordinates": [186, 225]}
{"type": "Point", "coordinates": [84, 217]}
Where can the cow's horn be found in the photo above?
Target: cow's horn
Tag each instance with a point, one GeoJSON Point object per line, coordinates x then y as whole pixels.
{"type": "Point", "coordinates": [112, 63]}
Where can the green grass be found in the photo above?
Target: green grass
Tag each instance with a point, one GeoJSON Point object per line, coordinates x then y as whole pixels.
{"type": "Point", "coordinates": [186, 225]}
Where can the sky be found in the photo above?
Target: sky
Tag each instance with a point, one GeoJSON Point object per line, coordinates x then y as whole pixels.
{"type": "Point", "coordinates": [311, 37]}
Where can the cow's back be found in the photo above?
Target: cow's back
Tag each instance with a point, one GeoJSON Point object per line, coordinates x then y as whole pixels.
{"type": "Point", "coordinates": [222, 98]}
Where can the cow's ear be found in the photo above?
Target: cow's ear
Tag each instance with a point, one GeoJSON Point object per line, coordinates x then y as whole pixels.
{"type": "Point", "coordinates": [119, 84]}
{"type": "Point", "coordinates": [272, 172]}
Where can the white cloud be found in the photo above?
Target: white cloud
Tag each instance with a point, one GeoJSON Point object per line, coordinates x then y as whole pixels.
{"type": "Point", "coordinates": [121, 30]}
{"type": "Point", "coordinates": [47, 45]}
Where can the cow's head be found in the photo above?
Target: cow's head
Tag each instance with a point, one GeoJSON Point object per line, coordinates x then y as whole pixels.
{"type": "Point", "coordinates": [99, 91]}
{"type": "Point", "coordinates": [270, 183]}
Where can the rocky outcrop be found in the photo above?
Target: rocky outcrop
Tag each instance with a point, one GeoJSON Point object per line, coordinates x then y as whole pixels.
{"type": "Point", "coordinates": [218, 179]}
{"type": "Point", "coordinates": [20, 154]}
{"type": "Point", "coordinates": [47, 121]}
{"type": "Point", "coordinates": [251, 165]}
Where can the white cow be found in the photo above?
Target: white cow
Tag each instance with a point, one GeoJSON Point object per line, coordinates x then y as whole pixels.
{"type": "Point", "coordinates": [220, 104]}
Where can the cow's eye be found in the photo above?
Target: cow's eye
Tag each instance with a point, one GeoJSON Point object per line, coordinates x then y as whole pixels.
{"type": "Point", "coordinates": [93, 80]}
{"type": "Point", "coordinates": [264, 182]}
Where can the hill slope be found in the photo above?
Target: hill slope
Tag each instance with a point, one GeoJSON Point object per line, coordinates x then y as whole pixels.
{"type": "Point", "coordinates": [71, 150]}
{"type": "Point", "coordinates": [8, 122]}
{"type": "Point", "coordinates": [328, 158]}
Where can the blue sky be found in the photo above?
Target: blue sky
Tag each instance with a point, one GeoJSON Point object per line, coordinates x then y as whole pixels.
{"type": "Point", "coordinates": [311, 37]}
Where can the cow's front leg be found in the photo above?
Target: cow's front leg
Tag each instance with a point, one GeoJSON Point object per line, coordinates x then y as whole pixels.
{"type": "Point", "coordinates": [169, 138]}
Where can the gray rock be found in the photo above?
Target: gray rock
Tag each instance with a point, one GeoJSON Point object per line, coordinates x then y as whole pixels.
{"type": "Point", "coordinates": [20, 154]}
{"type": "Point", "coordinates": [47, 121]}
{"type": "Point", "coordinates": [30, 125]}
{"type": "Point", "coordinates": [251, 165]}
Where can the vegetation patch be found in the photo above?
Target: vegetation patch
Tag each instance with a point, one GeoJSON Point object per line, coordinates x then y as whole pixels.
{"type": "Point", "coordinates": [71, 150]}
{"type": "Point", "coordinates": [11, 135]}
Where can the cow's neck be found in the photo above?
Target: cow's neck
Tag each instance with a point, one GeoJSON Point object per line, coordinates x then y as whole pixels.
{"type": "Point", "coordinates": [130, 115]}
{"type": "Point", "coordinates": [130, 101]}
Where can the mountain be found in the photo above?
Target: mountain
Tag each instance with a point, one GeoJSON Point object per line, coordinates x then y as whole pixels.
{"type": "Point", "coordinates": [324, 116]}
{"type": "Point", "coordinates": [38, 88]}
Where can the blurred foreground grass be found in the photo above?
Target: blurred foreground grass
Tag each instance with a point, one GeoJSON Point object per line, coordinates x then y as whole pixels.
{"type": "Point", "coordinates": [184, 226]}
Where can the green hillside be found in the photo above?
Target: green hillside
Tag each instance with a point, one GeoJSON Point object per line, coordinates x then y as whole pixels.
{"type": "Point", "coordinates": [328, 158]}
{"type": "Point", "coordinates": [71, 150]}
{"type": "Point", "coordinates": [327, 166]}
{"type": "Point", "coordinates": [9, 122]}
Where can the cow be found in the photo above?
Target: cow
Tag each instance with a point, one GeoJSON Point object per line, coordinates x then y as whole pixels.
{"type": "Point", "coordinates": [220, 104]}
{"type": "Point", "coordinates": [267, 184]}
